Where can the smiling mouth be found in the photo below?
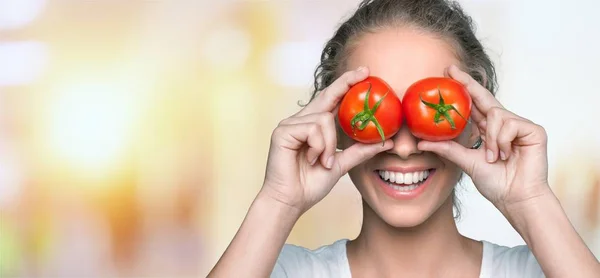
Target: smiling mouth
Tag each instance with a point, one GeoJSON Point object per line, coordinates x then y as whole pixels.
{"type": "Point", "coordinates": [405, 182]}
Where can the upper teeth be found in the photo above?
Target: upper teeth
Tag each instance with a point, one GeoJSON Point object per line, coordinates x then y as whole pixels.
{"type": "Point", "coordinates": [403, 178]}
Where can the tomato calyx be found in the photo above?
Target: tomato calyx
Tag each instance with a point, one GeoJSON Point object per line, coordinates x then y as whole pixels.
{"type": "Point", "coordinates": [368, 115]}
{"type": "Point", "coordinates": [442, 109]}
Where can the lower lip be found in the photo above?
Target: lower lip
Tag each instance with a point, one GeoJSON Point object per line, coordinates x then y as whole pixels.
{"type": "Point", "coordinates": [404, 195]}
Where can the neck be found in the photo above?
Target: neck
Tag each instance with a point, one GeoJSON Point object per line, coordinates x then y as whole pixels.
{"type": "Point", "coordinates": [423, 247]}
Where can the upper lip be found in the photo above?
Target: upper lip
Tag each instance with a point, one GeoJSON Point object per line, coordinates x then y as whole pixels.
{"type": "Point", "coordinates": [402, 169]}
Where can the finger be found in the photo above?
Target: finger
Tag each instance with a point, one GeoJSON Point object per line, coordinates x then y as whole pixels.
{"type": "Point", "coordinates": [480, 121]}
{"type": "Point", "coordinates": [358, 153]}
{"type": "Point", "coordinates": [328, 99]}
{"type": "Point", "coordinates": [482, 98]}
{"type": "Point", "coordinates": [506, 135]}
{"type": "Point", "coordinates": [479, 118]}
{"type": "Point", "coordinates": [327, 124]}
{"type": "Point", "coordinates": [316, 143]}
{"type": "Point", "coordinates": [454, 152]}
{"type": "Point", "coordinates": [519, 132]}
{"type": "Point", "coordinates": [495, 119]}
{"type": "Point", "coordinates": [295, 136]}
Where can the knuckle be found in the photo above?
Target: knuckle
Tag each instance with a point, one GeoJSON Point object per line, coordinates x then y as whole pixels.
{"type": "Point", "coordinates": [511, 123]}
{"type": "Point", "coordinates": [543, 133]}
{"type": "Point", "coordinates": [327, 115]}
{"type": "Point", "coordinates": [347, 75]}
{"type": "Point", "coordinates": [503, 138]}
{"type": "Point", "coordinates": [283, 122]}
{"type": "Point", "coordinates": [496, 112]}
{"type": "Point", "coordinates": [482, 124]}
{"type": "Point", "coordinates": [314, 129]}
{"type": "Point", "coordinates": [277, 133]}
{"type": "Point", "coordinates": [542, 129]}
{"type": "Point", "coordinates": [326, 95]}
{"type": "Point", "coordinates": [327, 118]}
{"type": "Point", "coordinates": [318, 145]}
{"type": "Point", "coordinates": [468, 80]}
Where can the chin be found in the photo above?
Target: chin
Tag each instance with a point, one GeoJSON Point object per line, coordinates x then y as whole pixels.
{"type": "Point", "coordinates": [403, 216]}
{"type": "Point", "coordinates": [408, 205]}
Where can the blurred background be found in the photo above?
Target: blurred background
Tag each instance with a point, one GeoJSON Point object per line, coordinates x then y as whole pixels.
{"type": "Point", "coordinates": [134, 134]}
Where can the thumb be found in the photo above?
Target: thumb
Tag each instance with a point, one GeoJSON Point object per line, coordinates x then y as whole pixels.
{"type": "Point", "coordinates": [454, 152]}
{"type": "Point", "coordinates": [358, 153]}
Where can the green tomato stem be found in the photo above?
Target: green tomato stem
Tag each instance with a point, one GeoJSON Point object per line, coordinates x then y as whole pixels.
{"type": "Point", "coordinates": [368, 115]}
{"type": "Point", "coordinates": [441, 110]}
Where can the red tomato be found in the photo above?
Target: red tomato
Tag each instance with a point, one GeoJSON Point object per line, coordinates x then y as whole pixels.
{"type": "Point", "coordinates": [436, 108]}
{"type": "Point", "coordinates": [370, 111]}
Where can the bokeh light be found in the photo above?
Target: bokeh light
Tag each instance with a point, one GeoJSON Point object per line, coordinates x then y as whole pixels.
{"type": "Point", "coordinates": [23, 61]}
{"type": "Point", "coordinates": [17, 13]}
{"type": "Point", "coordinates": [11, 175]}
{"type": "Point", "coordinates": [90, 123]}
{"type": "Point", "coordinates": [227, 48]}
{"type": "Point", "coordinates": [10, 249]}
{"type": "Point", "coordinates": [291, 64]}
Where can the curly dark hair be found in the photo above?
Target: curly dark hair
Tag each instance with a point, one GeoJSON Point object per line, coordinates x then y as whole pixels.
{"type": "Point", "coordinates": [442, 18]}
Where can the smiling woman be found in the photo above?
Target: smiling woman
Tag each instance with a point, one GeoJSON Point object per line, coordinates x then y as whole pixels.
{"type": "Point", "coordinates": [407, 182]}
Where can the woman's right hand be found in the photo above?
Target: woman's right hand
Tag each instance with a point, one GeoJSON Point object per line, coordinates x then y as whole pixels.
{"type": "Point", "coordinates": [303, 164]}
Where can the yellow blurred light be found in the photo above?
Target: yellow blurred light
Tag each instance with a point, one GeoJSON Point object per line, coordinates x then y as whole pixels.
{"type": "Point", "coordinates": [234, 41]}
{"type": "Point", "coordinates": [11, 175]}
{"type": "Point", "coordinates": [90, 124]}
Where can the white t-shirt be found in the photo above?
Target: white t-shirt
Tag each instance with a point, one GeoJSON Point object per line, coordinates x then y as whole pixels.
{"type": "Point", "coordinates": [331, 261]}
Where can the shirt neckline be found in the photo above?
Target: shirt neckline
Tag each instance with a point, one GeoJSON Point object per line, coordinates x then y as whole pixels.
{"type": "Point", "coordinates": [486, 258]}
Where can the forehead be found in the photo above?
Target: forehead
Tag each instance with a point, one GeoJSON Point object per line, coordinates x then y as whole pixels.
{"type": "Point", "coordinates": [402, 56]}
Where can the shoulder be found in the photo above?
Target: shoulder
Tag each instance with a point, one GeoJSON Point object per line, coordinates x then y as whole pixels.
{"type": "Point", "coordinates": [325, 261]}
{"type": "Point", "coordinates": [503, 261]}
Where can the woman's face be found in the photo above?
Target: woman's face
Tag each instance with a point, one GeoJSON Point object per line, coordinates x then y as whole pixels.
{"type": "Point", "coordinates": [402, 56]}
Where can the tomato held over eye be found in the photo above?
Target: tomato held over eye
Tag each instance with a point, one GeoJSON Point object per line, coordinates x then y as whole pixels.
{"type": "Point", "coordinates": [436, 108]}
{"type": "Point", "coordinates": [370, 111]}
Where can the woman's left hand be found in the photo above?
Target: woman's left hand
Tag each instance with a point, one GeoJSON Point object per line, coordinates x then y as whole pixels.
{"type": "Point", "coordinates": [511, 166]}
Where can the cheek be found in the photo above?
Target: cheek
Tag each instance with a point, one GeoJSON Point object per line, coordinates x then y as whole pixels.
{"type": "Point", "coordinates": [358, 178]}
{"type": "Point", "coordinates": [447, 181]}
{"type": "Point", "coordinates": [451, 173]}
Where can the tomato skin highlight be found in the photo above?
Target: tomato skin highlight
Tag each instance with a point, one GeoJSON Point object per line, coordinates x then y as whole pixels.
{"type": "Point", "coordinates": [437, 91]}
{"type": "Point", "coordinates": [388, 114]}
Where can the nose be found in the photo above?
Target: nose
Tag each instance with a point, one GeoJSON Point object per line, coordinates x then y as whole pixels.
{"type": "Point", "coordinates": [405, 144]}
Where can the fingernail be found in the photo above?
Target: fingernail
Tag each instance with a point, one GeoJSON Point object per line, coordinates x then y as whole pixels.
{"type": "Point", "coordinates": [314, 161]}
{"type": "Point", "coordinates": [490, 156]}
{"type": "Point", "coordinates": [329, 162]}
{"type": "Point", "coordinates": [361, 69]}
{"type": "Point", "coordinates": [502, 155]}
